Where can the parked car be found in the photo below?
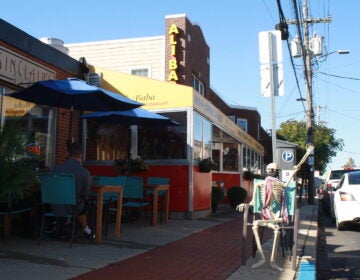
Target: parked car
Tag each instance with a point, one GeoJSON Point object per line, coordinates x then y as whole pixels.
{"type": "Point", "coordinates": [346, 203]}
{"type": "Point", "coordinates": [332, 179]}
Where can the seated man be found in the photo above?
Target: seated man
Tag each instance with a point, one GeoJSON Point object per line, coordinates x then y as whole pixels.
{"type": "Point", "coordinates": [82, 184]}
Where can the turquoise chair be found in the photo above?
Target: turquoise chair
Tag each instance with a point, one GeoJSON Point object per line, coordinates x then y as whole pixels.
{"type": "Point", "coordinates": [109, 198]}
{"type": "Point", "coordinates": [57, 189]}
{"type": "Point", "coordinates": [289, 196]}
{"type": "Point", "coordinates": [133, 195]}
{"type": "Point", "coordinates": [161, 194]}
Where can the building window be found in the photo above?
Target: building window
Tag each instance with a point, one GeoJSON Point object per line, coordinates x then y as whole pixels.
{"type": "Point", "coordinates": [243, 123]}
{"type": "Point", "coordinates": [202, 137]}
{"type": "Point", "coordinates": [164, 142]}
{"type": "Point", "coordinates": [230, 156]}
{"type": "Point", "coordinates": [36, 121]}
{"type": "Point", "coordinates": [107, 141]}
{"type": "Point", "coordinates": [246, 158]}
{"type": "Point", "coordinates": [225, 153]}
{"type": "Point", "coordinates": [117, 141]}
{"type": "Point", "coordinates": [198, 85]}
{"type": "Point", "coordinates": [142, 72]}
{"type": "Point", "coordinates": [232, 118]}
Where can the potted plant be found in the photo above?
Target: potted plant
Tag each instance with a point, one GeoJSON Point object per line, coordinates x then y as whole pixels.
{"type": "Point", "coordinates": [217, 194]}
{"type": "Point", "coordinates": [236, 196]}
{"type": "Point", "coordinates": [17, 167]}
{"type": "Point", "coordinates": [130, 165]}
{"type": "Point", "coordinates": [206, 165]}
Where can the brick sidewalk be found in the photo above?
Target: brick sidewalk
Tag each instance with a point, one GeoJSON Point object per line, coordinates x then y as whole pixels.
{"type": "Point", "coordinates": [213, 253]}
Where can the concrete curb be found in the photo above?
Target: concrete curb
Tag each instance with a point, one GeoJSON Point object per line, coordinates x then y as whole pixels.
{"type": "Point", "coordinates": [307, 238]}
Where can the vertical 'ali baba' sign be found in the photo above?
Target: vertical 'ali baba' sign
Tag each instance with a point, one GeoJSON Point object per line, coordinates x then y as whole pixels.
{"type": "Point", "coordinates": [173, 64]}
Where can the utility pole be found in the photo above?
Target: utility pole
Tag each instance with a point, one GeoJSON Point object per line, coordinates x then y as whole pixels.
{"type": "Point", "coordinates": [308, 55]}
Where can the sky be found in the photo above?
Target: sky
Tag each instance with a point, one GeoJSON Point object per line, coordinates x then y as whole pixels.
{"type": "Point", "coordinates": [231, 29]}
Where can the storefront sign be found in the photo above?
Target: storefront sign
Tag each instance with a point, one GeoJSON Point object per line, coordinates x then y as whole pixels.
{"type": "Point", "coordinates": [19, 108]}
{"type": "Point", "coordinates": [173, 63]}
{"type": "Point", "coordinates": [17, 69]}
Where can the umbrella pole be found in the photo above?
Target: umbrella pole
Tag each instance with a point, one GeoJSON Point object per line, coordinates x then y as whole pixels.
{"type": "Point", "coordinates": [129, 153]}
{"type": "Point", "coordinates": [70, 139]}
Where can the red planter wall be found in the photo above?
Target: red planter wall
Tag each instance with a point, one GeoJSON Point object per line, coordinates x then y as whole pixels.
{"type": "Point", "coordinates": [179, 181]}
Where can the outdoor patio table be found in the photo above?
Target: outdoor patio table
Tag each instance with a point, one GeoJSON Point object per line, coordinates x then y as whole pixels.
{"type": "Point", "coordinates": [156, 189]}
{"type": "Point", "coordinates": [100, 190]}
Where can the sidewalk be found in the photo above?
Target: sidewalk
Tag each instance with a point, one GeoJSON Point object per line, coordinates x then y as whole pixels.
{"type": "Point", "coordinates": [206, 248]}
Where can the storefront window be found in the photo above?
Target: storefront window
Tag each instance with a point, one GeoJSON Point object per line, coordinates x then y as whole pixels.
{"type": "Point", "coordinates": [230, 157]}
{"type": "Point", "coordinates": [114, 142]}
{"type": "Point", "coordinates": [37, 122]}
{"type": "Point", "coordinates": [225, 151]}
{"type": "Point", "coordinates": [202, 137]}
{"type": "Point", "coordinates": [216, 147]}
{"type": "Point", "coordinates": [252, 160]}
{"type": "Point", "coordinates": [107, 142]}
{"type": "Point", "coordinates": [197, 146]}
{"type": "Point", "coordinates": [159, 142]}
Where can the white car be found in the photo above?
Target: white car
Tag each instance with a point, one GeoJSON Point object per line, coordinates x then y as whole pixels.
{"type": "Point", "coordinates": [332, 179]}
{"type": "Point", "coordinates": [346, 202]}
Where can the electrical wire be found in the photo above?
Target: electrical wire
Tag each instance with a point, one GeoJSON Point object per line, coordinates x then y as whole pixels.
{"type": "Point", "coordinates": [337, 76]}
{"type": "Point", "coordinates": [283, 20]}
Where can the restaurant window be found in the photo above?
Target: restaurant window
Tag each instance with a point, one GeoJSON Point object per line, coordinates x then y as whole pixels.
{"type": "Point", "coordinates": [246, 158]}
{"type": "Point", "coordinates": [202, 137]}
{"type": "Point", "coordinates": [163, 142]}
{"type": "Point", "coordinates": [253, 160]}
{"type": "Point", "coordinates": [230, 157]}
{"type": "Point", "coordinates": [36, 121]}
{"type": "Point", "coordinates": [216, 147]}
{"type": "Point", "coordinates": [225, 153]}
{"type": "Point", "coordinates": [107, 141]}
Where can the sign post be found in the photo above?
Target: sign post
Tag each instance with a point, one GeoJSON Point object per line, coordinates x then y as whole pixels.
{"type": "Point", "coordinates": [271, 74]}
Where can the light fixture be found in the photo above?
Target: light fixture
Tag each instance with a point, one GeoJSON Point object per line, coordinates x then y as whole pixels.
{"type": "Point", "coordinates": [337, 51]}
{"type": "Point", "coordinates": [343, 51]}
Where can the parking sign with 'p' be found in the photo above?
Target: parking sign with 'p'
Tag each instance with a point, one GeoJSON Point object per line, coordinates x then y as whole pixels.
{"type": "Point", "coordinates": [287, 156]}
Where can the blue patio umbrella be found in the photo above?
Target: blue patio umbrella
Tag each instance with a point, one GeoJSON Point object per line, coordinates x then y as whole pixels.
{"type": "Point", "coordinates": [74, 94]}
{"type": "Point", "coordinates": [137, 116]}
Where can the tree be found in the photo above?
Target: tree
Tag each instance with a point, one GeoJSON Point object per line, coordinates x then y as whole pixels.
{"type": "Point", "coordinates": [350, 163]}
{"type": "Point", "coordinates": [325, 142]}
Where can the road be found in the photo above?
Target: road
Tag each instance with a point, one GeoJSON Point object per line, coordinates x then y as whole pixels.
{"type": "Point", "coordinates": [339, 251]}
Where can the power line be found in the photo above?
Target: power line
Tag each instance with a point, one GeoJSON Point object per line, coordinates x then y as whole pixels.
{"type": "Point", "coordinates": [283, 20]}
{"type": "Point", "coordinates": [337, 76]}
{"type": "Point", "coordinates": [338, 86]}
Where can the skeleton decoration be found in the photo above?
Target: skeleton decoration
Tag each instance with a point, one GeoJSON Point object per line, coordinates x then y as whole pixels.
{"type": "Point", "coordinates": [274, 211]}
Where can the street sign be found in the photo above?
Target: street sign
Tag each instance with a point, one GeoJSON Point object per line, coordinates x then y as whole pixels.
{"type": "Point", "coordinates": [271, 67]}
{"type": "Point", "coordinates": [287, 156]}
